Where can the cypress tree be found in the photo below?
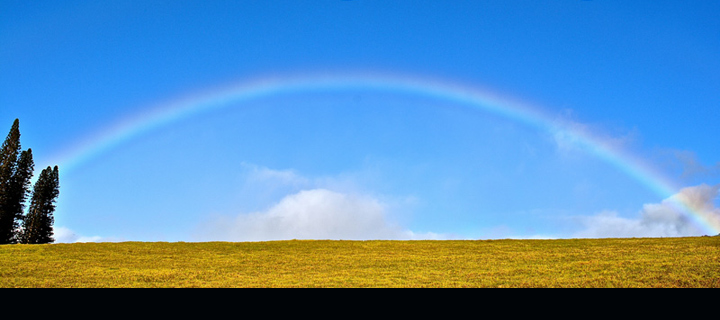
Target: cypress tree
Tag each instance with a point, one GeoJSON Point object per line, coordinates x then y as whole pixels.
{"type": "Point", "coordinates": [8, 167]}
{"type": "Point", "coordinates": [37, 225]}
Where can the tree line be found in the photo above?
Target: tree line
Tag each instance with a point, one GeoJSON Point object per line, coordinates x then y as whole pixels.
{"type": "Point", "coordinates": [16, 171]}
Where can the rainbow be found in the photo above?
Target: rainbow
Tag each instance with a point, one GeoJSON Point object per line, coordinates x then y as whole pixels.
{"type": "Point", "coordinates": [482, 99]}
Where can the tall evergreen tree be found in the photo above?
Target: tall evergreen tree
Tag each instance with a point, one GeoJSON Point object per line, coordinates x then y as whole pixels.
{"type": "Point", "coordinates": [19, 188]}
{"type": "Point", "coordinates": [37, 225]}
{"type": "Point", "coordinates": [8, 168]}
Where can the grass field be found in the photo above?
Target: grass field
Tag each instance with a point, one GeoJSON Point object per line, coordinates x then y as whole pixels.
{"type": "Point", "coordinates": [642, 262]}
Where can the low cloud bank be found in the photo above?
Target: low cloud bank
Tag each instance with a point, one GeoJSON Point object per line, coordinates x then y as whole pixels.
{"type": "Point", "coordinates": [313, 214]}
{"type": "Point", "coordinates": [663, 219]}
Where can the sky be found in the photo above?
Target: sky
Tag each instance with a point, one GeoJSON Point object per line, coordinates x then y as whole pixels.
{"type": "Point", "coordinates": [362, 119]}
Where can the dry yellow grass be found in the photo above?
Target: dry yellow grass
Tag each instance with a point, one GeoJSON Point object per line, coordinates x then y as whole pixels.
{"type": "Point", "coordinates": [644, 262]}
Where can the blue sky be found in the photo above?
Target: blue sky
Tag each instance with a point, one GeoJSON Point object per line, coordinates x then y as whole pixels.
{"type": "Point", "coordinates": [362, 163]}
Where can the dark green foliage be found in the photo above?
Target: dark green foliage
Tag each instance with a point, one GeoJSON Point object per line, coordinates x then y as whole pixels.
{"type": "Point", "coordinates": [37, 225]}
{"type": "Point", "coordinates": [16, 169]}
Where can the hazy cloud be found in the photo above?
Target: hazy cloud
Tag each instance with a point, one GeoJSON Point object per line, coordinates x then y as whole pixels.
{"type": "Point", "coordinates": [688, 166]}
{"type": "Point", "coordinates": [566, 134]}
{"type": "Point", "coordinates": [665, 219]}
{"type": "Point", "coordinates": [257, 174]}
{"type": "Point", "coordinates": [313, 214]}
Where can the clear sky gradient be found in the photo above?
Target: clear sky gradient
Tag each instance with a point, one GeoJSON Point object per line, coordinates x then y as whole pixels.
{"type": "Point", "coordinates": [364, 162]}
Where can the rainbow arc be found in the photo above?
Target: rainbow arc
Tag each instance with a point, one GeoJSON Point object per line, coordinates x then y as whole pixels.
{"type": "Point", "coordinates": [474, 97]}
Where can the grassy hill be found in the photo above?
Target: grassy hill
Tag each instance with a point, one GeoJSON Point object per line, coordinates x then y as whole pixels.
{"type": "Point", "coordinates": [641, 262]}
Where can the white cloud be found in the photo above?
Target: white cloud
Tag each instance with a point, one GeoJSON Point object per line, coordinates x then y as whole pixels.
{"type": "Point", "coordinates": [665, 219]}
{"type": "Point", "coordinates": [313, 214]}
{"type": "Point", "coordinates": [261, 186]}
{"type": "Point", "coordinates": [65, 235]}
